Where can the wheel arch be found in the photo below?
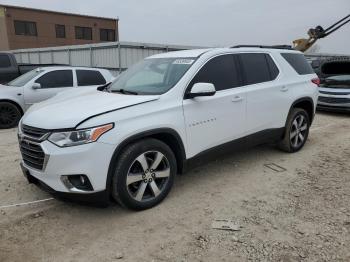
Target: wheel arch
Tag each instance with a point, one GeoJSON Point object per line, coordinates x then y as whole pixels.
{"type": "Point", "coordinates": [14, 103]}
{"type": "Point", "coordinates": [167, 135]}
{"type": "Point", "coordinates": [305, 103]}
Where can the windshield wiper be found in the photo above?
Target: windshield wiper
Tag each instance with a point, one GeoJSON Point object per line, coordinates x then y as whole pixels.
{"type": "Point", "coordinates": [125, 92]}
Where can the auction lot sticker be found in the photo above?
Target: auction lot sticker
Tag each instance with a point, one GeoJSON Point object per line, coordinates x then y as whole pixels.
{"type": "Point", "coordinates": [183, 62]}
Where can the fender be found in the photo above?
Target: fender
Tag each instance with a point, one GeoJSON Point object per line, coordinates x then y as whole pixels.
{"type": "Point", "coordinates": [180, 156]}
{"type": "Point", "coordinates": [303, 99]}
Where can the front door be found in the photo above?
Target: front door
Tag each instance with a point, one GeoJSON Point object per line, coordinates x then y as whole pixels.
{"type": "Point", "coordinates": [214, 120]}
{"type": "Point", "coordinates": [51, 83]}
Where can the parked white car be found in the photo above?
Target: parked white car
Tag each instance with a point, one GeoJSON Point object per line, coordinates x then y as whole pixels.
{"type": "Point", "coordinates": [41, 84]}
{"type": "Point", "coordinates": [335, 94]}
{"type": "Point", "coordinates": [130, 140]}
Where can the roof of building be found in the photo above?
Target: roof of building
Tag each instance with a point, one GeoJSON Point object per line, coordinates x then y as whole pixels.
{"type": "Point", "coordinates": [56, 12]}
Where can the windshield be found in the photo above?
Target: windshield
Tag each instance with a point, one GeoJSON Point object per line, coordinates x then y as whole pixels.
{"type": "Point", "coordinates": [152, 76]}
{"type": "Point", "coordinates": [23, 79]}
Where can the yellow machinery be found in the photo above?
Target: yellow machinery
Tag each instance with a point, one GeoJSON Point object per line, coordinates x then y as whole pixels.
{"type": "Point", "coordinates": [318, 33]}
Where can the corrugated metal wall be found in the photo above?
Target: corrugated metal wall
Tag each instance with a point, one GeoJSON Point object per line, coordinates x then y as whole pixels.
{"type": "Point", "coordinates": [116, 56]}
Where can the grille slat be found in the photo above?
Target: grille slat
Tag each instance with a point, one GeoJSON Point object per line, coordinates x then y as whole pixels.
{"type": "Point", "coordinates": [41, 157]}
{"type": "Point", "coordinates": [32, 153]}
{"type": "Point", "coordinates": [34, 132]}
{"type": "Point", "coordinates": [334, 100]}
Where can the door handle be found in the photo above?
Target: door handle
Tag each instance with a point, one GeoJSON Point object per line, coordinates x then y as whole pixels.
{"type": "Point", "coordinates": [284, 89]}
{"type": "Point", "coordinates": [237, 99]}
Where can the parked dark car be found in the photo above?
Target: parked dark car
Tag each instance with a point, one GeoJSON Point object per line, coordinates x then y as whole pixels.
{"type": "Point", "coordinates": [10, 69]}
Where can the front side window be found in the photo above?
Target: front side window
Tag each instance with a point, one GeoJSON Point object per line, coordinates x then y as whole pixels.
{"type": "Point", "coordinates": [255, 67]}
{"type": "Point", "coordinates": [56, 79]}
{"type": "Point", "coordinates": [25, 78]}
{"type": "Point", "coordinates": [107, 35]}
{"type": "Point", "coordinates": [221, 71]}
{"type": "Point", "coordinates": [25, 28]}
{"type": "Point", "coordinates": [90, 78]}
{"type": "Point", "coordinates": [83, 33]}
{"type": "Point", "coordinates": [152, 76]}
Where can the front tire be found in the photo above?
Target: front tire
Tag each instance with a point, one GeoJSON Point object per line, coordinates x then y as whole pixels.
{"type": "Point", "coordinates": [297, 131]}
{"type": "Point", "coordinates": [144, 174]}
{"type": "Point", "coordinates": [9, 115]}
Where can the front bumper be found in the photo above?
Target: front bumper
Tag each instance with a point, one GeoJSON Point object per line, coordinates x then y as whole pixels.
{"type": "Point", "coordinates": [100, 199]}
{"type": "Point", "coordinates": [91, 160]}
{"type": "Point", "coordinates": [331, 101]}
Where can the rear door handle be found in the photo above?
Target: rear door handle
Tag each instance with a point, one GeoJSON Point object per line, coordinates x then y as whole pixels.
{"type": "Point", "coordinates": [284, 89]}
{"type": "Point", "coordinates": [237, 99]}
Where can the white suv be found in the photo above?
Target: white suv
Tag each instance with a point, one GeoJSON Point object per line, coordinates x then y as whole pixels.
{"type": "Point", "coordinates": [130, 140]}
{"type": "Point", "coordinates": [43, 83]}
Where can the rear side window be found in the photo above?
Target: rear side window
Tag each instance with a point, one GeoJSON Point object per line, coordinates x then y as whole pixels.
{"type": "Point", "coordinates": [90, 78]}
{"type": "Point", "coordinates": [220, 71]}
{"type": "Point", "coordinates": [299, 63]}
{"type": "Point", "coordinates": [4, 61]}
{"type": "Point", "coordinates": [258, 68]}
{"type": "Point", "coordinates": [56, 79]}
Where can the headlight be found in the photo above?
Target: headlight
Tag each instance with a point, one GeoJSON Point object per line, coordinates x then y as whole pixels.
{"type": "Point", "coordinates": [79, 137]}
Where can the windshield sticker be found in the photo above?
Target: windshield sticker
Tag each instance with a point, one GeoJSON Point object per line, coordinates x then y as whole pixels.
{"type": "Point", "coordinates": [183, 62]}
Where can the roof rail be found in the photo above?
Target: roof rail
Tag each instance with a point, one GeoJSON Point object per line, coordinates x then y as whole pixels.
{"type": "Point", "coordinates": [266, 46]}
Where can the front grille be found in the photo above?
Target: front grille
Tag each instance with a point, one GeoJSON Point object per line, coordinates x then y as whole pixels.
{"type": "Point", "coordinates": [334, 100]}
{"type": "Point", "coordinates": [32, 154]}
{"type": "Point", "coordinates": [34, 132]}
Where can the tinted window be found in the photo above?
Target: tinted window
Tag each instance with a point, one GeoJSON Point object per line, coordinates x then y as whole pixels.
{"type": "Point", "coordinates": [256, 68]}
{"type": "Point", "coordinates": [4, 61]}
{"type": "Point", "coordinates": [299, 63]}
{"type": "Point", "coordinates": [220, 71]}
{"type": "Point", "coordinates": [107, 35]}
{"type": "Point", "coordinates": [25, 28]}
{"type": "Point", "coordinates": [60, 31]}
{"type": "Point", "coordinates": [272, 66]}
{"type": "Point", "coordinates": [55, 79]}
{"type": "Point", "coordinates": [83, 33]}
{"type": "Point", "coordinates": [90, 78]}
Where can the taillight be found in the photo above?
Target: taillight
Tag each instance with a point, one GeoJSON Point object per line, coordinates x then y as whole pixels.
{"type": "Point", "coordinates": [316, 81]}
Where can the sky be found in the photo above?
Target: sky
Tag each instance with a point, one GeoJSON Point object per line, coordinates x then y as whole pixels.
{"type": "Point", "coordinates": [214, 22]}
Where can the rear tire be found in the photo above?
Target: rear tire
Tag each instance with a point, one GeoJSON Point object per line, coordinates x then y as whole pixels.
{"type": "Point", "coordinates": [144, 174]}
{"type": "Point", "coordinates": [296, 132]}
{"type": "Point", "coordinates": [9, 115]}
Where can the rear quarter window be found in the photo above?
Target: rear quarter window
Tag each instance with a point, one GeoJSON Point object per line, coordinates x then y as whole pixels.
{"type": "Point", "coordinates": [90, 78]}
{"type": "Point", "coordinates": [299, 63]}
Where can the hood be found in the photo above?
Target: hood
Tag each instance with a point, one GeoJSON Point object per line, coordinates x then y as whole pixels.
{"type": "Point", "coordinates": [9, 89]}
{"type": "Point", "coordinates": [68, 109]}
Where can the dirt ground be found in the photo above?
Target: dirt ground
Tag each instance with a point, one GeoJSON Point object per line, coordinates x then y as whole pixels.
{"type": "Point", "coordinates": [299, 214]}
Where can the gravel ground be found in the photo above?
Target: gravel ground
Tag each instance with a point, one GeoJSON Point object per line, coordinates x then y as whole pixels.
{"type": "Point", "coordinates": [299, 214]}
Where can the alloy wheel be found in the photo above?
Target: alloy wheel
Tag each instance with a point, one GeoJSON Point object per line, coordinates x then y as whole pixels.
{"type": "Point", "coordinates": [148, 176]}
{"type": "Point", "coordinates": [298, 131]}
{"type": "Point", "coordinates": [8, 115]}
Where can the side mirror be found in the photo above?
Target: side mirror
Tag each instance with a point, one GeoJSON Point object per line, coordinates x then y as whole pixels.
{"type": "Point", "coordinates": [202, 89]}
{"type": "Point", "coordinates": [36, 86]}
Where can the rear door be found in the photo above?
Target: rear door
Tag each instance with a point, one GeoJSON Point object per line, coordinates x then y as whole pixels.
{"type": "Point", "coordinates": [267, 97]}
{"type": "Point", "coordinates": [51, 83]}
{"type": "Point", "coordinates": [214, 120]}
{"type": "Point", "coordinates": [89, 78]}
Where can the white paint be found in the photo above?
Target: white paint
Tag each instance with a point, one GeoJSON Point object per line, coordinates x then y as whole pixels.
{"type": "Point", "coordinates": [26, 203]}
